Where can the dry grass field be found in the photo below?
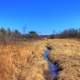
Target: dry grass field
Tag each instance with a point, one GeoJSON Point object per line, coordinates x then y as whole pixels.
{"type": "Point", "coordinates": [22, 62]}
{"type": "Point", "coordinates": [25, 61]}
{"type": "Point", "coordinates": [66, 52]}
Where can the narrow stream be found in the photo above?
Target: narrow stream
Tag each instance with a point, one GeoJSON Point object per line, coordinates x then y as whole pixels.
{"type": "Point", "coordinates": [52, 67]}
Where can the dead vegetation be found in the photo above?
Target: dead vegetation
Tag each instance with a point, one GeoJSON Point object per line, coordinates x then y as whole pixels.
{"type": "Point", "coordinates": [22, 62]}
{"type": "Point", "coordinates": [67, 54]}
{"type": "Point", "coordinates": [25, 61]}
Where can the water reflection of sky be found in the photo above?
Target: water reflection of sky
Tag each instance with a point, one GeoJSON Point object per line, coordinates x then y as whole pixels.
{"type": "Point", "coordinates": [53, 68]}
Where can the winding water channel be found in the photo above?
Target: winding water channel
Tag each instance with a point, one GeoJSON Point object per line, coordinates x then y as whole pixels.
{"type": "Point", "coordinates": [52, 67]}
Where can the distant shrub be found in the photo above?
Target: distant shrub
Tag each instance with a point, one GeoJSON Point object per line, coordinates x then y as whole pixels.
{"type": "Point", "coordinates": [33, 34]}
{"type": "Point", "coordinates": [70, 33]}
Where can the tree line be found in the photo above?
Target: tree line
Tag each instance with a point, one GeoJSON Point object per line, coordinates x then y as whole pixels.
{"type": "Point", "coordinates": [69, 33]}
{"type": "Point", "coordinates": [8, 35]}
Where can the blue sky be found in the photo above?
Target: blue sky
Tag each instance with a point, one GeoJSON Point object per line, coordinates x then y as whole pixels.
{"type": "Point", "coordinates": [43, 16]}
